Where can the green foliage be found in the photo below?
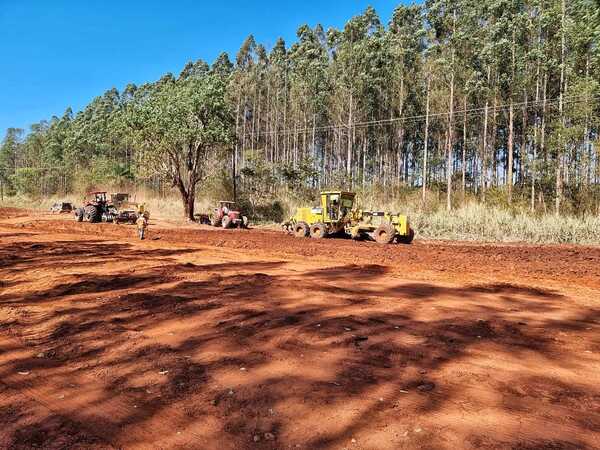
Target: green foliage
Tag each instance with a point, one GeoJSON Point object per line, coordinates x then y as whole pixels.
{"type": "Point", "coordinates": [495, 81]}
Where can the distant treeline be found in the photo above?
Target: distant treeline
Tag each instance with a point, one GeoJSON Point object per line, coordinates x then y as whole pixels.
{"type": "Point", "coordinates": [460, 96]}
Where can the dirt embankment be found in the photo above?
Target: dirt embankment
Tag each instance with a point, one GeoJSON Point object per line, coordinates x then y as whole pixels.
{"type": "Point", "coordinates": [203, 338]}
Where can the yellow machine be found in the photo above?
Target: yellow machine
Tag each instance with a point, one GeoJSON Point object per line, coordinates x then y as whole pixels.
{"type": "Point", "coordinates": [336, 215]}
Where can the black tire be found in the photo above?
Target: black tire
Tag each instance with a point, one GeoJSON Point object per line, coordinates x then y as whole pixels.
{"type": "Point", "coordinates": [318, 231]}
{"type": "Point", "coordinates": [92, 214]}
{"type": "Point", "coordinates": [79, 215]}
{"type": "Point", "coordinates": [226, 222]}
{"type": "Point", "coordinates": [408, 238]}
{"type": "Point", "coordinates": [385, 233]}
{"type": "Point", "coordinates": [301, 230]}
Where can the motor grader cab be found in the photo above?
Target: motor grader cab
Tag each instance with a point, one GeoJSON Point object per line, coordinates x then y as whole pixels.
{"type": "Point", "coordinates": [330, 217]}
{"type": "Point", "coordinates": [336, 214]}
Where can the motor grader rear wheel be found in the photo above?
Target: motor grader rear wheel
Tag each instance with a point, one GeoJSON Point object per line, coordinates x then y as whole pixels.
{"type": "Point", "coordinates": [385, 233]}
{"type": "Point", "coordinates": [301, 230]}
{"type": "Point", "coordinates": [318, 231]}
{"type": "Point", "coordinates": [408, 238]}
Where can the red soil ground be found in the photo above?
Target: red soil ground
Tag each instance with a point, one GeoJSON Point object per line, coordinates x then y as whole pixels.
{"type": "Point", "coordinates": [235, 339]}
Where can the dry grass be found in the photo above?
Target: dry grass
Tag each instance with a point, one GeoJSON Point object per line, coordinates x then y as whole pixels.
{"type": "Point", "coordinates": [471, 222]}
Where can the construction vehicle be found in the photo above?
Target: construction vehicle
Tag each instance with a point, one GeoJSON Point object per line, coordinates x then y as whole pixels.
{"type": "Point", "coordinates": [61, 208]}
{"type": "Point", "coordinates": [225, 215]}
{"type": "Point", "coordinates": [98, 208]}
{"type": "Point", "coordinates": [95, 205]}
{"type": "Point", "coordinates": [124, 211]}
{"type": "Point", "coordinates": [337, 215]}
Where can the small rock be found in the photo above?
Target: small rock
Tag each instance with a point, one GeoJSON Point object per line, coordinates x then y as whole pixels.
{"type": "Point", "coordinates": [418, 430]}
{"type": "Point", "coordinates": [243, 369]}
{"type": "Point", "coordinates": [347, 329]}
{"type": "Point", "coordinates": [269, 436]}
{"type": "Point", "coordinates": [40, 355]}
{"type": "Point", "coordinates": [24, 372]}
{"type": "Point", "coordinates": [422, 372]}
{"type": "Point", "coordinates": [380, 399]}
{"type": "Point", "coordinates": [426, 387]}
{"type": "Point", "coordinates": [353, 441]}
{"type": "Point", "coordinates": [230, 392]}
{"type": "Point", "coordinates": [163, 372]}
{"type": "Point", "coordinates": [256, 438]}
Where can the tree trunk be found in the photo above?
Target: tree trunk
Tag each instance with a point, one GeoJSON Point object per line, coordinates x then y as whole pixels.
{"type": "Point", "coordinates": [449, 142]}
{"type": "Point", "coordinates": [426, 141]}
{"type": "Point", "coordinates": [464, 150]}
{"type": "Point", "coordinates": [511, 140]}
{"type": "Point", "coordinates": [559, 167]}
{"type": "Point", "coordinates": [350, 139]}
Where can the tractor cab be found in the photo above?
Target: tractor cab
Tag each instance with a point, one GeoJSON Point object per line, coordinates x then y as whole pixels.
{"type": "Point", "coordinates": [96, 197]}
{"type": "Point", "coordinates": [336, 205]}
{"type": "Point", "coordinates": [226, 207]}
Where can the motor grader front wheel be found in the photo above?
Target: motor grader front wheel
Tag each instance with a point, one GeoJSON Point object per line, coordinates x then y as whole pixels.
{"type": "Point", "coordinates": [318, 231]}
{"type": "Point", "coordinates": [301, 230]}
{"type": "Point", "coordinates": [385, 233]}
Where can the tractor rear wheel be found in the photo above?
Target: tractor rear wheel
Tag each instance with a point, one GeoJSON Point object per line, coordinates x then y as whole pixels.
{"type": "Point", "coordinates": [92, 214]}
{"type": "Point", "coordinates": [226, 222]}
{"type": "Point", "coordinates": [408, 238]}
{"type": "Point", "coordinates": [301, 230]}
{"type": "Point", "coordinates": [318, 231]}
{"type": "Point", "coordinates": [385, 233]}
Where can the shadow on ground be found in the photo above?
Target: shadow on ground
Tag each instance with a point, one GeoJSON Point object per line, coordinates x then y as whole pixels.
{"type": "Point", "coordinates": [300, 347]}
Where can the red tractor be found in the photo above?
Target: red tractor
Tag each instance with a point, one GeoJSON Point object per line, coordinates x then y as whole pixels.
{"type": "Point", "coordinates": [227, 216]}
{"type": "Point", "coordinates": [95, 207]}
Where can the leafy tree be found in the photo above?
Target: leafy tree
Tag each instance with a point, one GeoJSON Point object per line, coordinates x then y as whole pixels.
{"type": "Point", "coordinates": [176, 126]}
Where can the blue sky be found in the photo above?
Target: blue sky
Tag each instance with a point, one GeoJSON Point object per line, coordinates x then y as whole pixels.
{"type": "Point", "coordinates": [58, 53]}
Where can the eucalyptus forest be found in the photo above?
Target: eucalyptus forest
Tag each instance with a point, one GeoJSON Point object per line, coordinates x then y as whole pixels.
{"type": "Point", "coordinates": [465, 98]}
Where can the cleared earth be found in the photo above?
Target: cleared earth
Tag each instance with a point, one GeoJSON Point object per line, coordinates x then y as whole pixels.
{"type": "Point", "coordinates": [227, 339]}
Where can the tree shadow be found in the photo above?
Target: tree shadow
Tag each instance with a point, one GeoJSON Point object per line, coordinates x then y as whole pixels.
{"type": "Point", "coordinates": [261, 351]}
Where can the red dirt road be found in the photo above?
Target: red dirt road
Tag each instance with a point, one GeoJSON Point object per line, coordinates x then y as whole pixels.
{"type": "Point", "coordinates": [213, 339]}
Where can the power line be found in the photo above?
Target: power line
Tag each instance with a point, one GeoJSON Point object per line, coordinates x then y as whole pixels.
{"type": "Point", "coordinates": [471, 112]}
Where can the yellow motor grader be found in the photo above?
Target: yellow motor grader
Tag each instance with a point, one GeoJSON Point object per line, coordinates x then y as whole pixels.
{"type": "Point", "coordinates": [337, 215]}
